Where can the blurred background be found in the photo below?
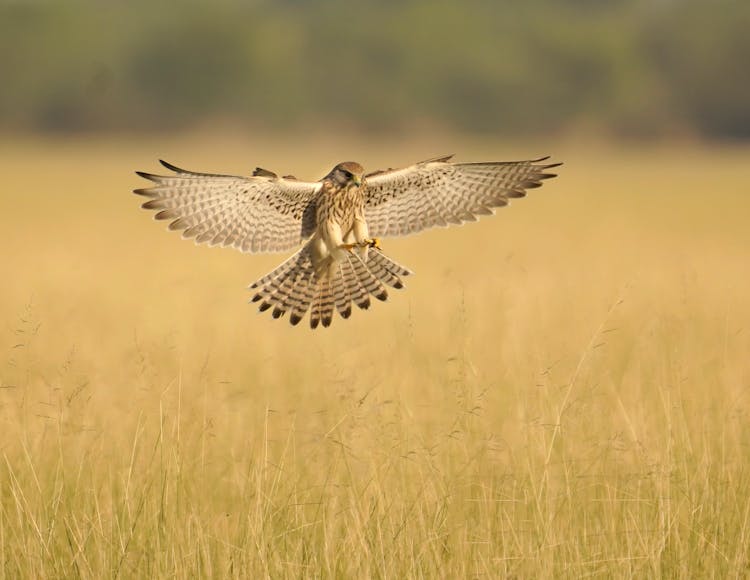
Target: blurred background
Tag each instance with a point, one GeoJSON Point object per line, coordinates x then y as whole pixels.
{"type": "Point", "coordinates": [624, 68]}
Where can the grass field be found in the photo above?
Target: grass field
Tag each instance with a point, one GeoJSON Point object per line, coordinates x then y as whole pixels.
{"type": "Point", "coordinates": [561, 391]}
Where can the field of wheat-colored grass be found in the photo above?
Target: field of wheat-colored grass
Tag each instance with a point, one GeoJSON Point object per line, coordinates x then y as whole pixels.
{"type": "Point", "coordinates": [561, 391]}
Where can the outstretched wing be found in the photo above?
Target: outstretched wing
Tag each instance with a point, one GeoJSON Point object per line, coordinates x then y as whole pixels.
{"type": "Point", "coordinates": [263, 213]}
{"type": "Point", "coordinates": [438, 193]}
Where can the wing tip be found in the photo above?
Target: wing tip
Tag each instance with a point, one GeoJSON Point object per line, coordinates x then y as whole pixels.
{"type": "Point", "coordinates": [147, 175]}
{"type": "Point", "coordinates": [543, 168]}
{"type": "Point", "coordinates": [158, 178]}
{"type": "Point", "coordinates": [545, 158]}
{"type": "Point", "coordinates": [439, 159]}
{"type": "Point", "coordinates": [172, 167]}
{"type": "Point", "coordinates": [260, 172]}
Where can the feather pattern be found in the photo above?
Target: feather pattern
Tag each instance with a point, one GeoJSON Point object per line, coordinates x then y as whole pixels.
{"type": "Point", "coordinates": [296, 287]}
{"type": "Point", "coordinates": [262, 213]}
{"type": "Point", "coordinates": [439, 193]}
{"type": "Point", "coordinates": [338, 264]}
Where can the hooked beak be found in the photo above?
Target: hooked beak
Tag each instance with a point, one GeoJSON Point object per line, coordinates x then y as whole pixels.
{"type": "Point", "coordinates": [357, 180]}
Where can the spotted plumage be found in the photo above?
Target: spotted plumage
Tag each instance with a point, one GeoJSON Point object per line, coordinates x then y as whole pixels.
{"type": "Point", "coordinates": [338, 221]}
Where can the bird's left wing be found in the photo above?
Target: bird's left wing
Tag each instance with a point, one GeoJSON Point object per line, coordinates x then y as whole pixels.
{"type": "Point", "coordinates": [262, 213]}
{"type": "Point", "coordinates": [439, 193]}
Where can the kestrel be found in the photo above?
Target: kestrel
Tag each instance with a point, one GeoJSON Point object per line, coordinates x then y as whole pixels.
{"type": "Point", "coordinates": [338, 220]}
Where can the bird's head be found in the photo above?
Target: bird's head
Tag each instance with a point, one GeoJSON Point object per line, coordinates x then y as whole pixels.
{"type": "Point", "coordinates": [347, 173]}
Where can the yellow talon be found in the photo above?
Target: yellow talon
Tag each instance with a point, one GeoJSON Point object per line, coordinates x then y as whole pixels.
{"type": "Point", "coordinates": [366, 243]}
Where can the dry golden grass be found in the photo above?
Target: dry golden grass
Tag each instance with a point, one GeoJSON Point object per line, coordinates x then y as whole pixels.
{"type": "Point", "coordinates": [561, 390]}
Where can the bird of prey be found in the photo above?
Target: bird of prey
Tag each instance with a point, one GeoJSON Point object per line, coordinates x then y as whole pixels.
{"type": "Point", "coordinates": [338, 221]}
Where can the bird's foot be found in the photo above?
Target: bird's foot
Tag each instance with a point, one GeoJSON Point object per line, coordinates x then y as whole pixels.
{"type": "Point", "coordinates": [366, 243]}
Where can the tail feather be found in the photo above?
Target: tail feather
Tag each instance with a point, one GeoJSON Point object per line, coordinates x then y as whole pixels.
{"type": "Point", "coordinates": [293, 293]}
{"type": "Point", "coordinates": [386, 270]}
{"type": "Point", "coordinates": [306, 293]}
{"type": "Point", "coordinates": [282, 297]}
{"type": "Point", "coordinates": [357, 291]}
{"type": "Point", "coordinates": [281, 269]}
{"type": "Point", "coordinates": [341, 294]}
{"type": "Point", "coordinates": [296, 286]}
{"type": "Point", "coordinates": [316, 306]}
{"type": "Point", "coordinates": [279, 288]}
{"type": "Point", "coordinates": [376, 256]}
{"type": "Point", "coordinates": [287, 272]}
{"type": "Point", "coordinates": [367, 279]}
{"type": "Point", "coordinates": [325, 301]}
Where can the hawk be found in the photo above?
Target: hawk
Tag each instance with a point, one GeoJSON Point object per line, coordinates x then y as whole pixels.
{"type": "Point", "coordinates": [338, 221]}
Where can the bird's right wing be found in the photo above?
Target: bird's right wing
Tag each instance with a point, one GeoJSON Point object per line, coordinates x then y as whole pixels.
{"type": "Point", "coordinates": [262, 213]}
{"type": "Point", "coordinates": [400, 202]}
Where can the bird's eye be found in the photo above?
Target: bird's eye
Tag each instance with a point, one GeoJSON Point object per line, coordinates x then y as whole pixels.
{"type": "Point", "coordinates": [347, 174]}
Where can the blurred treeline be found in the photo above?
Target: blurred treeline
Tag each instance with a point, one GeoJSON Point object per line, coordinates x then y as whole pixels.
{"type": "Point", "coordinates": [629, 67]}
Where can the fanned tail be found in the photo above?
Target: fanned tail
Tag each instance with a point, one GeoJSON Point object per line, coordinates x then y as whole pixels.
{"type": "Point", "coordinates": [386, 269]}
{"type": "Point", "coordinates": [297, 286]}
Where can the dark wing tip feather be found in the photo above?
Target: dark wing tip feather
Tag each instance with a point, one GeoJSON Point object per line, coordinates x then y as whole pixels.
{"type": "Point", "coordinates": [440, 159]}
{"type": "Point", "coordinates": [178, 224]}
{"type": "Point", "coordinates": [186, 172]}
{"type": "Point", "coordinates": [540, 159]}
{"type": "Point", "coordinates": [294, 319]}
{"type": "Point", "coordinates": [541, 175]}
{"type": "Point", "coordinates": [260, 172]}
{"type": "Point", "coordinates": [166, 214]}
{"type": "Point", "coordinates": [145, 191]}
{"type": "Point", "coordinates": [171, 167]}
{"type": "Point", "coordinates": [153, 204]}
{"type": "Point", "coordinates": [149, 176]}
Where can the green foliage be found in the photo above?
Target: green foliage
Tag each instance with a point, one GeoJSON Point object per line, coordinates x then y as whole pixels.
{"type": "Point", "coordinates": [541, 66]}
